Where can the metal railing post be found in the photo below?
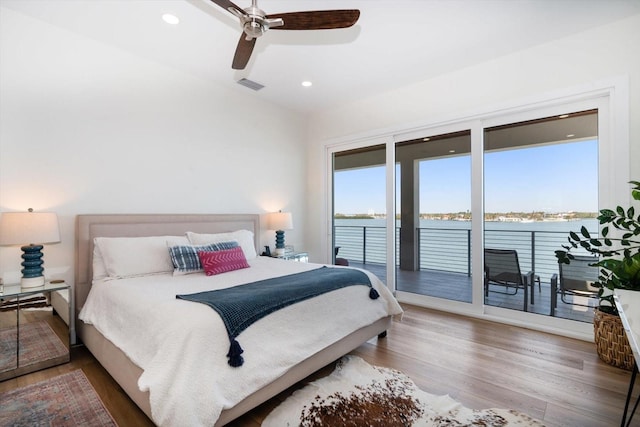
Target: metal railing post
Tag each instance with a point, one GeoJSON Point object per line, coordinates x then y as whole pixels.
{"type": "Point", "coordinates": [417, 248]}
{"type": "Point", "coordinates": [468, 253]}
{"type": "Point", "coordinates": [533, 251]}
{"type": "Point", "coordinates": [364, 245]}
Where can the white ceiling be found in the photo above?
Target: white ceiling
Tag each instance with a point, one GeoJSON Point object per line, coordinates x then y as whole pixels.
{"type": "Point", "coordinates": [395, 42]}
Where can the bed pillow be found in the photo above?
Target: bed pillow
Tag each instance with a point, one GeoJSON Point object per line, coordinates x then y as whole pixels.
{"type": "Point", "coordinates": [185, 257]}
{"type": "Point", "coordinates": [222, 261]}
{"type": "Point", "coordinates": [97, 266]}
{"type": "Point", "coordinates": [137, 256]}
{"type": "Point", "coordinates": [243, 237]}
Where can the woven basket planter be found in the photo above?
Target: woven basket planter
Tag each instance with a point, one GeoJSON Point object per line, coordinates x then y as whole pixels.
{"type": "Point", "coordinates": [611, 342]}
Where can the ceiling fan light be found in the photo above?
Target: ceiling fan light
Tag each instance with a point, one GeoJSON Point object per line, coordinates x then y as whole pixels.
{"type": "Point", "coordinates": [253, 29]}
{"type": "Point", "coordinates": [170, 19]}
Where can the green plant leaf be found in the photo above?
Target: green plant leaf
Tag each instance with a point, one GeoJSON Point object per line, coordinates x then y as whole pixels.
{"type": "Point", "coordinates": [631, 212]}
{"type": "Point", "coordinates": [635, 192]}
{"type": "Point", "coordinates": [605, 231]}
{"type": "Point", "coordinates": [620, 210]}
{"type": "Point", "coordinates": [585, 232]}
{"type": "Point", "coordinates": [606, 216]}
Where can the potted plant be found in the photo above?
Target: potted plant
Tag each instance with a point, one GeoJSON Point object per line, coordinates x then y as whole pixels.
{"type": "Point", "coordinates": [619, 268]}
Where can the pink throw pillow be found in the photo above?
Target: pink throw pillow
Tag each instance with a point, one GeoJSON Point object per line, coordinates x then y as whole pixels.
{"type": "Point", "coordinates": [222, 261]}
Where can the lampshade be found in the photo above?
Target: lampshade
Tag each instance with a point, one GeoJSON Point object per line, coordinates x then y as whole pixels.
{"type": "Point", "coordinates": [23, 228]}
{"type": "Point", "coordinates": [31, 230]}
{"type": "Point", "coordinates": [280, 221]}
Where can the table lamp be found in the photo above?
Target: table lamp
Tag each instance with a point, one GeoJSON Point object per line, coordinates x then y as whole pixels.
{"type": "Point", "coordinates": [31, 230]}
{"type": "Point", "coordinates": [280, 221]}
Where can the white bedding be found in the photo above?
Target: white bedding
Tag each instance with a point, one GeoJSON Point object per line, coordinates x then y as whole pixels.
{"type": "Point", "coordinates": [181, 345]}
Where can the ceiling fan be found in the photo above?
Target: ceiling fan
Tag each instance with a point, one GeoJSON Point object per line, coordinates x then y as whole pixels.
{"type": "Point", "coordinates": [255, 23]}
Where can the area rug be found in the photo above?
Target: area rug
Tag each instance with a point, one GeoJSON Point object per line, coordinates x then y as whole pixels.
{"type": "Point", "coordinates": [358, 394]}
{"type": "Point", "coordinates": [38, 342]}
{"type": "Point", "coordinates": [65, 400]}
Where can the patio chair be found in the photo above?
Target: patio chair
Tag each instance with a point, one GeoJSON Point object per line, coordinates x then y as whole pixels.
{"type": "Point", "coordinates": [501, 267]}
{"type": "Point", "coordinates": [340, 261]}
{"type": "Point", "coordinates": [575, 280]}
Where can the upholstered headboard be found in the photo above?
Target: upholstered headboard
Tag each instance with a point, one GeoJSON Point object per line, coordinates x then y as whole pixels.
{"type": "Point", "coordinates": [89, 227]}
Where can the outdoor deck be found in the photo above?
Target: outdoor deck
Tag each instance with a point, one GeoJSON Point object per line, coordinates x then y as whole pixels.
{"type": "Point", "coordinates": [457, 286]}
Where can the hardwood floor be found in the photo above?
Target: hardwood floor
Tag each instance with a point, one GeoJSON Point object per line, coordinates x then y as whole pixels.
{"type": "Point", "coordinates": [481, 364]}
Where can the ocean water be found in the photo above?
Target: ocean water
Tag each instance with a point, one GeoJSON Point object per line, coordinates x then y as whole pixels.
{"type": "Point", "coordinates": [446, 245]}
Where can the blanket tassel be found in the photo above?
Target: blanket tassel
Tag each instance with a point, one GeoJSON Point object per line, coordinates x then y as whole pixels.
{"type": "Point", "coordinates": [373, 294]}
{"type": "Point", "coordinates": [234, 355]}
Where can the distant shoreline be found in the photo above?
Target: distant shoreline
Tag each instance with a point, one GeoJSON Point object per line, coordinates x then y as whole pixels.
{"type": "Point", "coordinates": [489, 217]}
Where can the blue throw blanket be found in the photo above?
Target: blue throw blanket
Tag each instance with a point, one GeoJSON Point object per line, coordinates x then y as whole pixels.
{"type": "Point", "coordinates": [241, 306]}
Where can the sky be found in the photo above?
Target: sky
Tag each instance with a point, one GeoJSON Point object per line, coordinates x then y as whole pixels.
{"type": "Point", "coordinates": [552, 178]}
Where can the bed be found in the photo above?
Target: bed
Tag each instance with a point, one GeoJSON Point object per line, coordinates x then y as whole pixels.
{"type": "Point", "coordinates": [165, 375]}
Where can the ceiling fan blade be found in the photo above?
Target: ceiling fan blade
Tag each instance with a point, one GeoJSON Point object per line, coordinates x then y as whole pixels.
{"type": "Point", "coordinates": [317, 20]}
{"type": "Point", "coordinates": [230, 7]}
{"type": "Point", "coordinates": [243, 52]}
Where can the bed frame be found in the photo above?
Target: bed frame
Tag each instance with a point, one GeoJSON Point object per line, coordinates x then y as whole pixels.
{"type": "Point", "coordinates": [119, 366]}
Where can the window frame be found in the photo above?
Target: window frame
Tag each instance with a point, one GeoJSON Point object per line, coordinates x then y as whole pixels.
{"type": "Point", "coordinates": [611, 99]}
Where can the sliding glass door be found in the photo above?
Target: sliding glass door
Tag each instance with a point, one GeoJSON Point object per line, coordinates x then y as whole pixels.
{"type": "Point", "coordinates": [359, 213]}
{"type": "Point", "coordinates": [463, 194]}
{"type": "Point", "coordinates": [433, 179]}
{"type": "Point", "coordinates": [535, 192]}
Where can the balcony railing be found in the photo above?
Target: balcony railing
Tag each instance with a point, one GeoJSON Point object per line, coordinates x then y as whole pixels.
{"type": "Point", "coordinates": [448, 249]}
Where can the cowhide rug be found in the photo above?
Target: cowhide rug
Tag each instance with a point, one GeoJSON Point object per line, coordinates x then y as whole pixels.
{"type": "Point", "coordinates": [358, 394]}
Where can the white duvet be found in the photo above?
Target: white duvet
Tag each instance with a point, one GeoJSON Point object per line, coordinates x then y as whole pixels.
{"type": "Point", "coordinates": [181, 345]}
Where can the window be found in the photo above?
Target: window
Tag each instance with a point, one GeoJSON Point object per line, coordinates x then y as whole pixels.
{"type": "Point", "coordinates": [532, 173]}
{"type": "Point", "coordinates": [534, 196]}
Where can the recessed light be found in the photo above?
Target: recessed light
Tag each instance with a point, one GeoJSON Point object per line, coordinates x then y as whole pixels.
{"type": "Point", "coordinates": [170, 19]}
{"type": "Point", "coordinates": [564, 116]}
{"type": "Point", "coordinates": [571, 135]}
{"type": "Point", "coordinates": [307, 83]}
{"type": "Point", "coordinates": [452, 151]}
{"type": "Point", "coordinates": [426, 139]}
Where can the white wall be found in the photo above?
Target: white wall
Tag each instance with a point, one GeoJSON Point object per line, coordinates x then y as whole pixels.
{"type": "Point", "coordinates": [607, 52]}
{"type": "Point", "coordinates": [88, 128]}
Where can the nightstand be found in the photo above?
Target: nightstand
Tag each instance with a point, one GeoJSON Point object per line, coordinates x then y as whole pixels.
{"type": "Point", "coordinates": [32, 337]}
{"type": "Point", "coordinates": [296, 256]}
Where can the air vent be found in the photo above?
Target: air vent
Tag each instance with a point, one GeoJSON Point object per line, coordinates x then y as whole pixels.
{"type": "Point", "coordinates": [250, 84]}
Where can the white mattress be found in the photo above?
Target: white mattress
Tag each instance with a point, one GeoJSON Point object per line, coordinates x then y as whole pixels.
{"type": "Point", "coordinates": [182, 345]}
